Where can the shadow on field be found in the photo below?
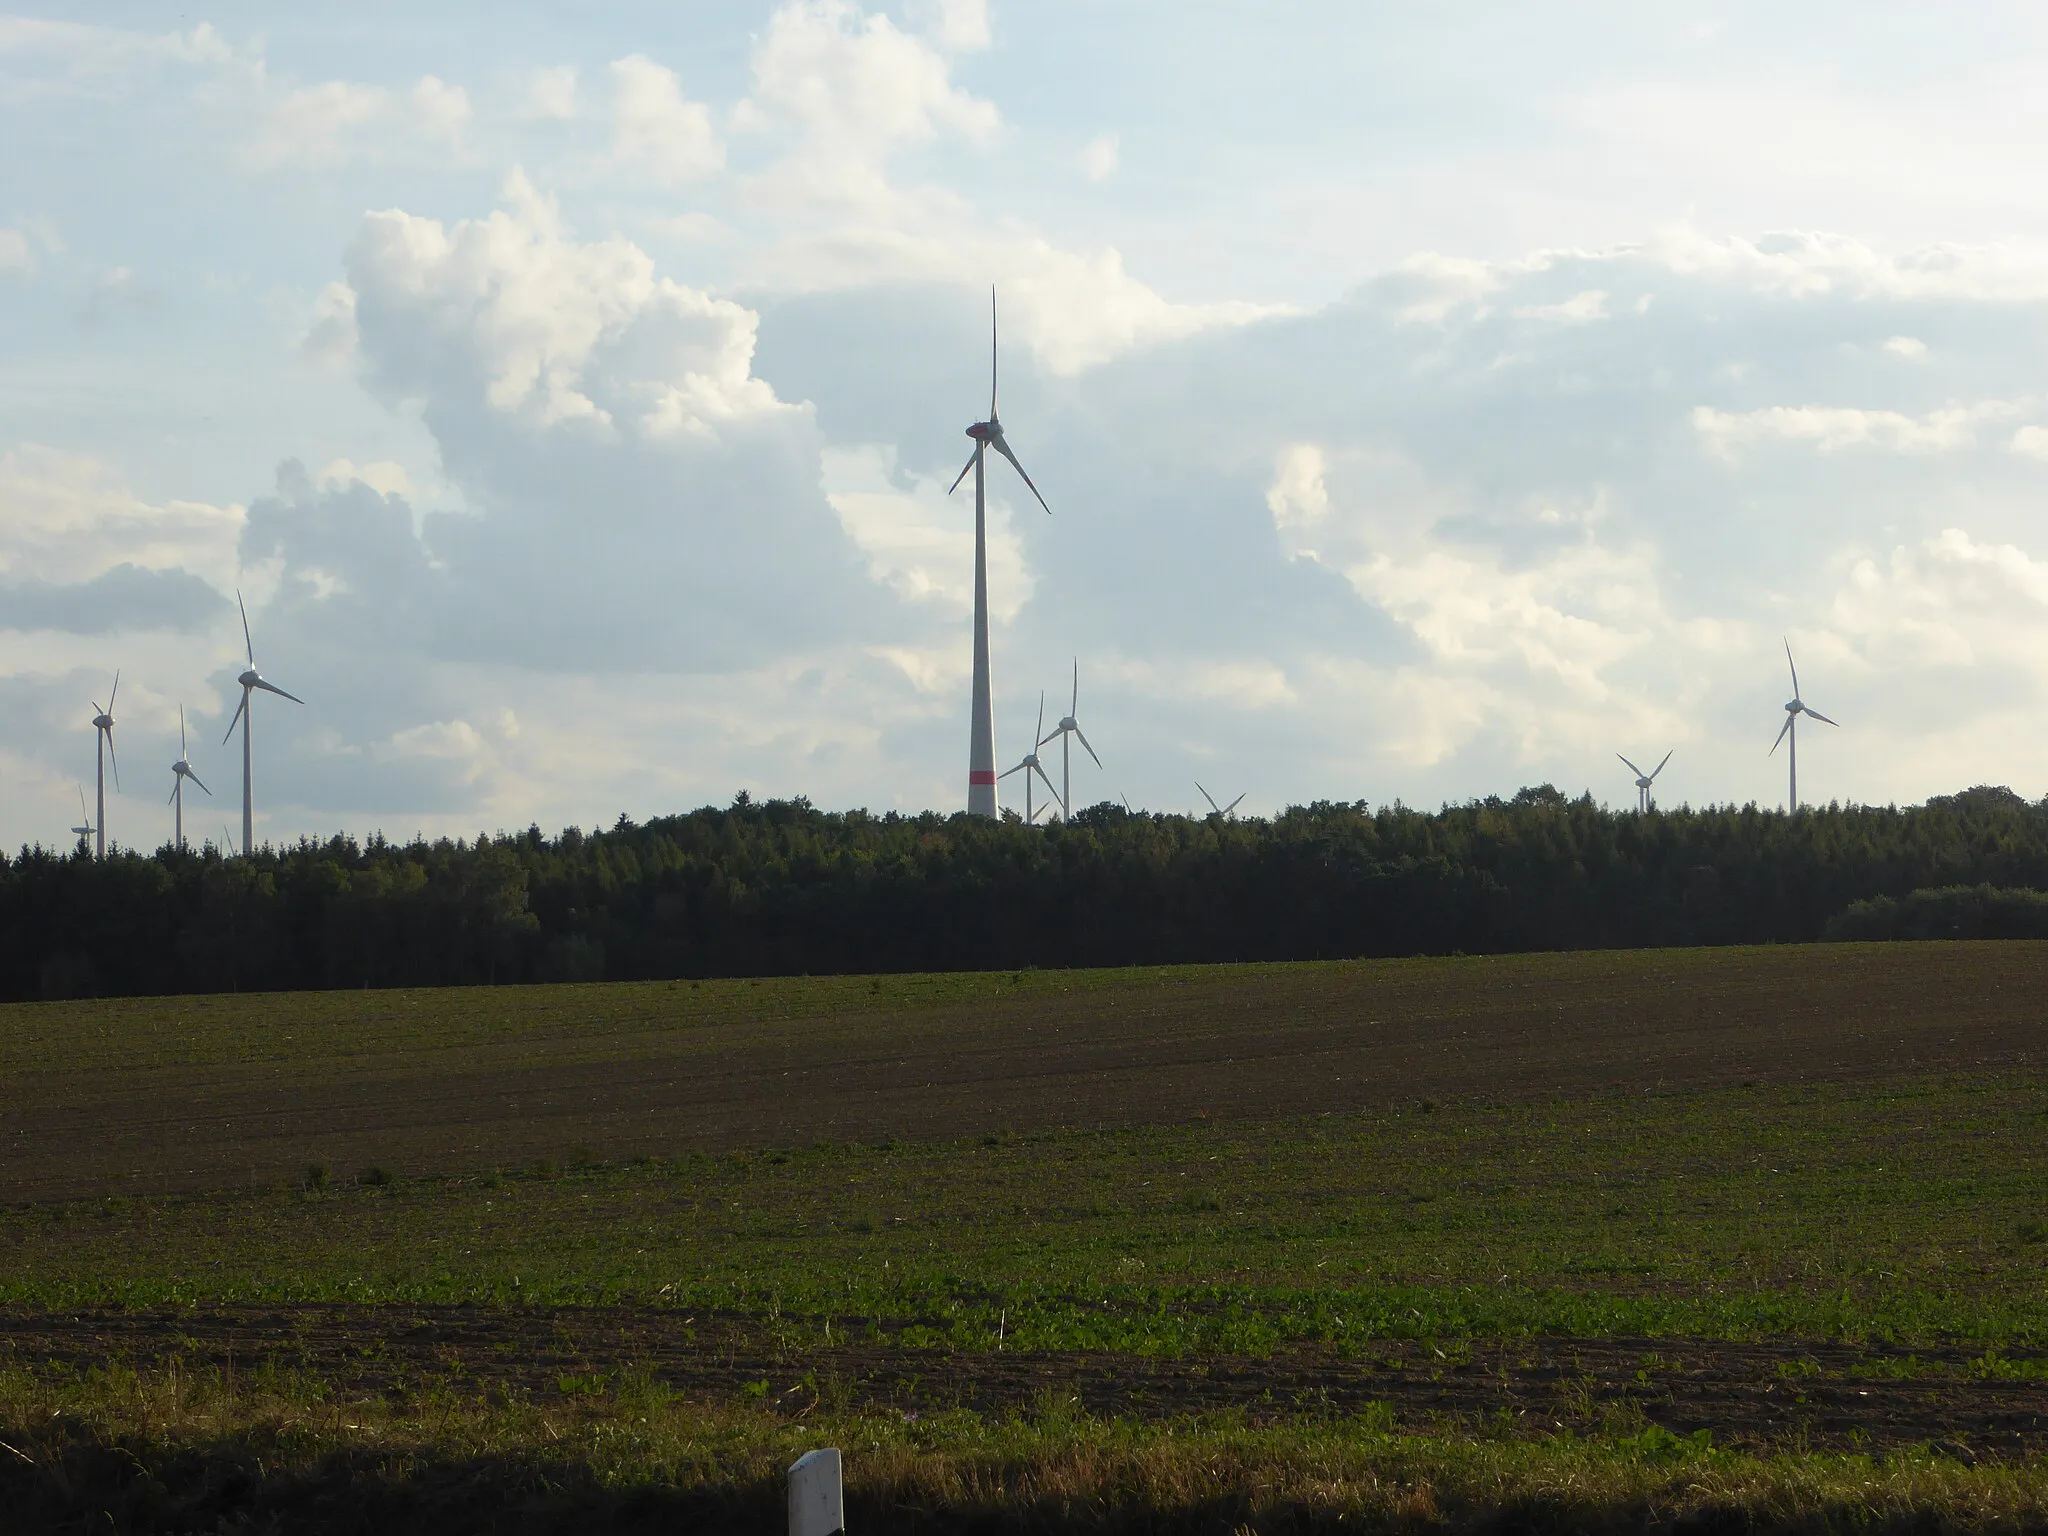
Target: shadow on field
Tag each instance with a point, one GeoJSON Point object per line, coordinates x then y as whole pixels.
{"type": "Point", "coordinates": [230, 1487]}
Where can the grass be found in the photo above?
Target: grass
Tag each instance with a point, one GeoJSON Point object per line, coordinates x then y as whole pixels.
{"type": "Point", "coordinates": [1906, 1210]}
{"type": "Point", "coordinates": [177, 1450]}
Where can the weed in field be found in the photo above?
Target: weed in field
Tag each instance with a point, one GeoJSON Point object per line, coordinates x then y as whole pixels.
{"type": "Point", "coordinates": [317, 1175]}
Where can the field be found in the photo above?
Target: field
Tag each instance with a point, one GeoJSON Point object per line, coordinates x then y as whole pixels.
{"type": "Point", "coordinates": [1611, 1239]}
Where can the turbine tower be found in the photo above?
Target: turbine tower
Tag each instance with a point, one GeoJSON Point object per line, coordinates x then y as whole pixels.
{"type": "Point", "coordinates": [103, 723]}
{"type": "Point", "coordinates": [83, 832]}
{"type": "Point", "coordinates": [1645, 780]}
{"type": "Point", "coordinates": [180, 772]}
{"type": "Point", "coordinates": [250, 680]}
{"type": "Point", "coordinates": [1029, 766]}
{"type": "Point", "coordinates": [1790, 728]}
{"type": "Point", "coordinates": [981, 745]}
{"type": "Point", "coordinates": [1220, 810]}
{"type": "Point", "coordinates": [1067, 730]}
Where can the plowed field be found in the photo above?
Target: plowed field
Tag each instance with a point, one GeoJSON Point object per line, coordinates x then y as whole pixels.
{"type": "Point", "coordinates": [162, 1095]}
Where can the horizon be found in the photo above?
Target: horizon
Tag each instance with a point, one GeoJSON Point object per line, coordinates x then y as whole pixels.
{"type": "Point", "coordinates": [1008, 817]}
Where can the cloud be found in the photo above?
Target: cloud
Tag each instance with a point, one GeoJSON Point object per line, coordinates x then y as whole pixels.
{"type": "Point", "coordinates": [605, 428]}
{"type": "Point", "coordinates": [1589, 305]}
{"type": "Point", "coordinates": [956, 26]}
{"type": "Point", "coordinates": [551, 94]}
{"type": "Point", "coordinates": [439, 108]}
{"type": "Point", "coordinates": [16, 259]}
{"type": "Point", "coordinates": [920, 541]}
{"type": "Point", "coordinates": [853, 88]}
{"type": "Point", "coordinates": [125, 599]}
{"type": "Point", "coordinates": [1834, 428]}
{"type": "Point", "coordinates": [656, 129]}
{"type": "Point", "coordinates": [66, 518]}
{"type": "Point", "coordinates": [314, 124]}
{"type": "Point", "coordinates": [1099, 158]}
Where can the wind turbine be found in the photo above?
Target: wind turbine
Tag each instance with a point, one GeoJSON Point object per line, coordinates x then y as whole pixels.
{"type": "Point", "coordinates": [1220, 810]}
{"type": "Point", "coordinates": [1067, 729]}
{"type": "Point", "coordinates": [1793, 711]}
{"type": "Point", "coordinates": [1029, 766]}
{"type": "Point", "coordinates": [981, 745]}
{"type": "Point", "coordinates": [180, 772]}
{"type": "Point", "coordinates": [1645, 780]}
{"type": "Point", "coordinates": [103, 722]}
{"type": "Point", "coordinates": [250, 680]}
{"type": "Point", "coordinates": [83, 815]}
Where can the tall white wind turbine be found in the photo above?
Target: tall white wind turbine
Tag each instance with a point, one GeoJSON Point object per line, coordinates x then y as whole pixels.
{"type": "Point", "coordinates": [1220, 810]}
{"type": "Point", "coordinates": [180, 772]}
{"type": "Point", "coordinates": [84, 816]}
{"type": "Point", "coordinates": [1029, 766]}
{"type": "Point", "coordinates": [981, 745]}
{"type": "Point", "coordinates": [1793, 710]}
{"type": "Point", "coordinates": [1645, 780]}
{"type": "Point", "coordinates": [250, 680]}
{"type": "Point", "coordinates": [1068, 730]}
{"type": "Point", "coordinates": [103, 723]}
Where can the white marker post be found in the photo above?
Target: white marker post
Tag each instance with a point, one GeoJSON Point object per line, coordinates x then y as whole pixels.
{"type": "Point", "coordinates": [817, 1506]}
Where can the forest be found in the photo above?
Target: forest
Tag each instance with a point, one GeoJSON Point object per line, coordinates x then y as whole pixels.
{"type": "Point", "coordinates": [780, 887]}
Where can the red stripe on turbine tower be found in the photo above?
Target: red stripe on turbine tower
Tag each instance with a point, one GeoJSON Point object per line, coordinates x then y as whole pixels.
{"type": "Point", "coordinates": [981, 776]}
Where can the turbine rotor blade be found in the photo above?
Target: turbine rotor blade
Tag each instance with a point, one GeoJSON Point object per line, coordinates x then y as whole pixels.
{"type": "Point", "coordinates": [1004, 449]}
{"type": "Point", "coordinates": [1234, 804]}
{"type": "Point", "coordinates": [1781, 736]}
{"type": "Point", "coordinates": [197, 780]}
{"type": "Point", "coordinates": [273, 688]}
{"type": "Point", "coordinates": [1632, 768]}
{"type": "Point", "coordinates": [247, 644]}
{"type": "Point", "coordinates": [115, 694]}
{"type": "Point", "coordinates": [1660, 766]}
{"type": "Point", "coordinates": [1074, 708]}
{"type": "Point", "coordinates": [1084, 742]}
{"type": "Point", "coordinates": [176, 780]}
{"type": "Point", "coordinates": [1210, 798]}
{"type": "Point", "coordinates": [183, 750]}
{"type": "Point", "coordinates": [236, 718]}
{"type": "Point", "coordinates": [1041, 717]}
{"type": "Point", "coordinates": [991, 351]}
{"type": "Point", "coordinates": [1008, 771]}
{"type": "Point", "coordinates": [963, 473]}
{"type": "Point", "coordinates": [1823, 719]}
{"type": "Point", "coordinates": [1795, 668]}
{"type": "Point", "coordinates": [114, 760]}
{"type": "Point", "coordinates": [1050, 790]}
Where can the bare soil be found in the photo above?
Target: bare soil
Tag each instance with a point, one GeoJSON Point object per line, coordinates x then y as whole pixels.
{"type": "Point", "coordinates": [1762, 1395]}
{"type": "Point", "coordinates": [1149, 1047]}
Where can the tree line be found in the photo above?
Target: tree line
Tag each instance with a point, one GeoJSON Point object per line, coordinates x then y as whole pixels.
{"type": "Point", "coordinates": [780, 887]}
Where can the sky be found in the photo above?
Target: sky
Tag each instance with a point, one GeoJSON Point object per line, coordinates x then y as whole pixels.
{"type": "Point", "coordinates": [1430, 401]}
